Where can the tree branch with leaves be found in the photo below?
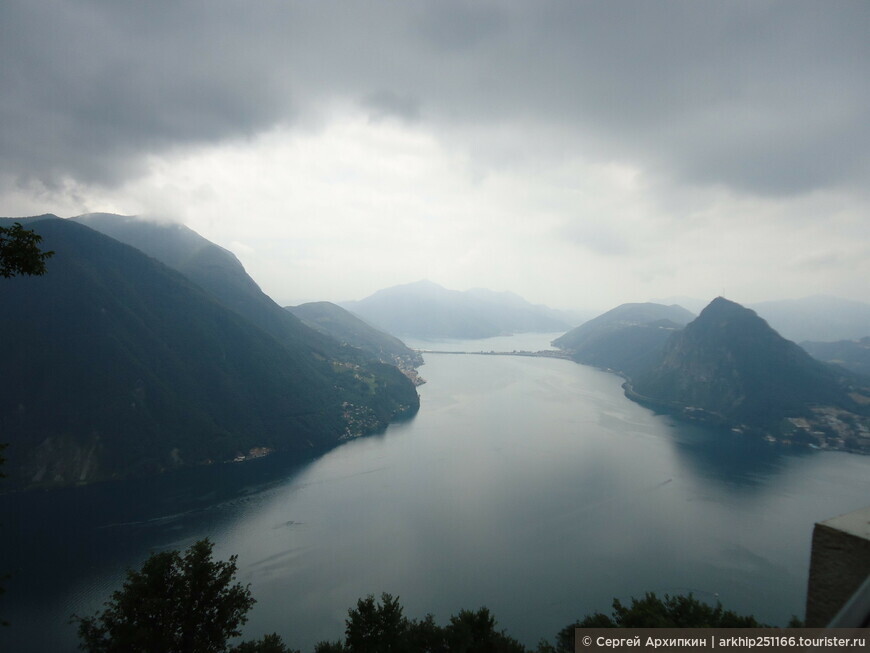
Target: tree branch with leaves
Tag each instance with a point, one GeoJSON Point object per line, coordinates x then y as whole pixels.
{"type": "Point", "coordinates": [174, 603]}
{"type": "Point", "coordinates": [20, 252]}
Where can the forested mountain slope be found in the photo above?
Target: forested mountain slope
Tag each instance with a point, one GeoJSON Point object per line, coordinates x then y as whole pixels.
{"type": "Point", "coordinates": [729, 367]}
{"type": "Point", "coordinates": [116, 365]}
{"type": "Point", "coordinates": [627, 339]}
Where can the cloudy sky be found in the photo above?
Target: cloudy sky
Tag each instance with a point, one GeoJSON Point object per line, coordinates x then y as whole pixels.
{"type": "Point", "coordinates": [581, 154]}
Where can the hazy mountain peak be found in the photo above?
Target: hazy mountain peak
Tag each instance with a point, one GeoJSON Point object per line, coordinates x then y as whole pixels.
{"type": "Point", "coordinates": [424, 309]}
{"type": "Point", "coordinates": [422, 284]}
{"type": "Point", "coordinates": [24, 220]}
{"type": "Point", "coordinates": [626, 338]}
{"type": "Point", "coordinates": [721, 307]}
{"type": "Point", "coordinates": [627, 314]}
{"type": "Point", "coordinates": [425, 283]}
{"type": "Point", "coordinates": [736, 326]}
{"type": "Point", "coordinates": [421, 287]}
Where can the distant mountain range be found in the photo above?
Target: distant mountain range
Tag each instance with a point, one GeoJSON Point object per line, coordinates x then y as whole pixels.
{"type": "Point", "coordinates": [146, 347]}
{"type": "Point", "coordinates": [124, 366]}
{"type": "Point", "coordinates": [817, 318]}
{"type": "Point", "coordinates": [427, 310]}
{"type": "Point", "coordinates": [729, 368]}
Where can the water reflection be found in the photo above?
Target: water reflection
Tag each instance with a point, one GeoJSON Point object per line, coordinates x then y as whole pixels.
{"type": "Point", "coordinates": [740, 462]}
{"type": "Point", "coordinates": [531, 486]}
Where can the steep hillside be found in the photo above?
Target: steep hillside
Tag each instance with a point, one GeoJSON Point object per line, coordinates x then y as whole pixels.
{"type": "Point", "coordinates": [627, 339]}
{"type": "Point", "coordinates": [116, 365]}
{"type": "Point", "coordinates": [214, 269]}
{"type": "Point", "coordinates": [220, 273]}
{"type": "Point", "coordinates": [345, 327]}
{"type": "Point", "coordinates": [622, 316]}
{"type": "Point", "coordinates": [427, 310]}
{"type": "Point", "coordinates": [729, 367]}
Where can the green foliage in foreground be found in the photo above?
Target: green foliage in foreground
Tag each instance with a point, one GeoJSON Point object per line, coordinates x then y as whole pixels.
{"type": "Point", "coordinates": [380, 627]}
{"type": "Point", "coordinates": [175, 603]}
{"type": "Point", "coordinates": [670, 612]}
{"type": "Point", "coordinates": [190, 603]}
{"type": "Point", "coordinates": [20, 252]}
{"type": "Point", "coordinates": [654, 612]}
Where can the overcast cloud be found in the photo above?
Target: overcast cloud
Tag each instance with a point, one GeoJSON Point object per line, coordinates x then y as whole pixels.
{"type": "Point", "coordinates": [577, 153]}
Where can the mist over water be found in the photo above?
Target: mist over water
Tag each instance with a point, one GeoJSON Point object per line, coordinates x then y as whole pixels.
{"type": "Point", "coordinates": [529, 485]}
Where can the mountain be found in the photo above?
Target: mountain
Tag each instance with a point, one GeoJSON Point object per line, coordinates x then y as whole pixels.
{"type": "Point", "coordinates": [624, 315]}
{"type": "Point", "coordinates": [854, 355]}
{"type": "Point", "coordinates": [626, 339]}
{"type": "Point", "coordinates": [728, 367]}
{"type": "Point", "coordinates": [218, 271]}
{"type": "Point", "coordinates": [693, 304]}
{"type": "Point", "coordinates": [817, 318]}
{"type": "Point", "coordinates": [346, 327]}
{"type": "Point", "coordinates": [512, 307]}
{"type": "Point", "coordinates": [122, 366]}
{"type": "Point", "coordinates": [214, 269]}
{"type": "Point", "coordinates": [427, 310]}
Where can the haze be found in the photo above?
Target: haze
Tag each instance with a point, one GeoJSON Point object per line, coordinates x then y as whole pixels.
{"type": "Point", "coordinates": [579, 154]}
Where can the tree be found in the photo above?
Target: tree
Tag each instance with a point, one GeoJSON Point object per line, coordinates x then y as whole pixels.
{"type": "Point", "coordinates": [330, 647]}
{"type": "Point", "coordinates": [425, 636]}
{"type": "Point", "coordinates": [176, 603]}
{"type": "Point", "coordinates": [20, 253]}
{"type": "Point", "coordinates": [269, 644]}
{"type": "Point", "coordinates": [669, 612]}
{"type": "Point", "coordinates": [376, 628]}
{"type": "Point", "coordinates": [474, 632]}
{"type": "Point", "coordinates": [380, 627]}
{"type": "Point", "coordinates": [654, 612]}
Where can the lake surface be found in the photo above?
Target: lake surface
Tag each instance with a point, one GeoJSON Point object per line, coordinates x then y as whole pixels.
{"type": "Point", "coordinates": [529, 485]}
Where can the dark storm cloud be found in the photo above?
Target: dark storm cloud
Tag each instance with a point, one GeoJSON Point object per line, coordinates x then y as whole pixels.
{"type": "Point", "coordinates": [90, 87]}
{"type": "Point", "coordinates": [459, 25]}
{"type": "Point", "coordinates": [770, 97]}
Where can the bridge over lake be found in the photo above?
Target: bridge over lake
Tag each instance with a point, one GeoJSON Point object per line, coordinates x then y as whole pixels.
{"type": "Point", "coordinates": [544, 353]}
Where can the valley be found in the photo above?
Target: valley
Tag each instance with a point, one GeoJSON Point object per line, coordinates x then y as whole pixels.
{"type": "Point", "coordinates": [530, 485]}
{"type": "Point", "coordinates": [361, 298]}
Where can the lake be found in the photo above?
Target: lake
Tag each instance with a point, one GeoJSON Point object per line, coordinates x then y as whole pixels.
{"type": "Point", "coordinates": [529, 485]}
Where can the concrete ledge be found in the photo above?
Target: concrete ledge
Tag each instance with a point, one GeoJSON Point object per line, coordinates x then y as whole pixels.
{"type": "Point", "coordinates": [839, 564]}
